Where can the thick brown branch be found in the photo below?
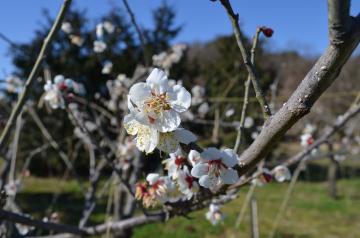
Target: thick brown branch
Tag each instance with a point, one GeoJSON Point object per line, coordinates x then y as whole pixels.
{"type": "Point", "coordinates": [320, 77]}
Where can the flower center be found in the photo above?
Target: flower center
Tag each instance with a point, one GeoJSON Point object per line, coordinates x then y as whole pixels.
{"type": "Point", "coordinates": [179, 160]}
{"type": "Point", "coordinates": [157, 103]}
{"type": "Point", "coordinates": [189, 180]}
{"type": "Point", "coordinates": [215, 167]}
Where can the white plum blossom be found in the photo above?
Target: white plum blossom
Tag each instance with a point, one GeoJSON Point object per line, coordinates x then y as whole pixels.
{"type": "Point", "coordinates": [175, 163]}
{"type": "Point", "coordinates": [214, 215]}
{"type": "Point", "coordinates": [165, 60]}
{"type": "Point", "coordinates": [254, 134]}
{"type": "Point", "coordinates": [53, 96]}
{"type": "Point", "coordinates": [187, 184]}
{"type": "Point", "coordinates": [109, 27]}
{"type": "Point", "coordinates": [309, 129]}
{"type": "Point", "coordinates": [281, 173]}
{"type": "Point", "coordinates": [198, 93]}
{"type": "Point", "coordinates": [99, 46]}
{"type": "Point", "coordinates": [76, 40]}
{"type": "Point", "coordinates": [107, 68]}
{"type": "Point", "coordinates": [306, 140]}
{"type": "Point", "coordinates": [148, 138]}
{"type": "Point", "coordinates": [249, 122]}
{"type": "Point", "coordinates": [12, 187]}
{"type": "Point", "coordinates": [216, 168]}
{"type": "Point", "coordinates": [203, 109]}
{"type": "Point", "coordinates": [100, 30]}
{"type": "Point", "coordinates": [163, 188]}
{"type": "Point", "coordinates": [54, 92]}
{"type": "Point", "coordinates": [194, 157]}
{"type": "Point", "coordinates": [229, 112]}
{"type": "Point", "coordinates": [66, 27]}
{"type": "Point", "coordinates": [128, 149]}
{"type": "Point", "coordinates": [156, 104]}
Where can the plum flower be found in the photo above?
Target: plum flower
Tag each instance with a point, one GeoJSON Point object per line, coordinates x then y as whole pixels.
{"type": "Point", "coordinates": [216, 168]}
{"type": "Point", "coordinates": [306, 140]}
{"type": "Point", "coordinates": [249, 122]}
{"type": "Point", "coordinates": [76, 40]}
{"type": "Point", "coordinates": [281, 173]}
{"type": "Point", "coordinates": [175, 164]}
{"type": "Point", "coordinates": [214, 215]}
{"type": "Point", "coordinates": [99, 30]}
{"type": "Point", "coordinates": [53, 96]}
{"type": "Point", "coordinates": [99, 46]}
{"type": "Point", "coordinates": [148, 138]}
{"type": "Point", "coordinates": [203, 109]}
{"type": "Point", "coordinates": [156, 104]}
{"type": "Point", "coordinates": [187, 184]}
{"type": "Point", "coordinates": [12, 188]}
{"type": "Point", "coordinates": [163, 188]}
{"type": "Point", "coordinates": [194, 157]}
{"type": "Point", "coordinates": [109, 27]}
{"type": "Point", "coordinates": [66, 27]}
{"type": "Point", "coordinates": [230, 112]}
{"type": "Point", "coordinates": [107, 68]}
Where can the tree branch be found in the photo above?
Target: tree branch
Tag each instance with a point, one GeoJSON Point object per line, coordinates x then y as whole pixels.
{"type": "Point", "coordinates": [319, 78]}
{"type": "Point", "coordinates": [246, 58]}
{"type": "Point", "coordinates": [26, 91]}
{"type": "Point", "coordinates": [339, 20]}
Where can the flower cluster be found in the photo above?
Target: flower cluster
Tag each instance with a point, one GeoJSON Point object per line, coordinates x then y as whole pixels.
{"type": "Point", "coordinates": [157, 189]}
{"type": "Point", "coordinates": [154, 118]}
{"type": "Point", "coordinates": [178, 185]}
{"type": "Point", "coordinates": [165, 60]}
{"type": "Point", "coordinates": [55, 91]}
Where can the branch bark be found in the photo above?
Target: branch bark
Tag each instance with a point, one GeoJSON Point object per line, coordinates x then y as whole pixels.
{"type": "Point", "coordinates": [320, 77]}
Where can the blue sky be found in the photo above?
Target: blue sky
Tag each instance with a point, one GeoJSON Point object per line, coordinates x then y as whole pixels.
{"type": "Point", "coordinates": [298, 24]}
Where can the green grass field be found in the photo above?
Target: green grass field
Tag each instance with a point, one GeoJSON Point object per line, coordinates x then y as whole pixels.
{"type": "Point", "coordinates": [311, 212]}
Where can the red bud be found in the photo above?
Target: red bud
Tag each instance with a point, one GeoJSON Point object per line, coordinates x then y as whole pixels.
{"type": "Point", "coordinates": [268, 32]}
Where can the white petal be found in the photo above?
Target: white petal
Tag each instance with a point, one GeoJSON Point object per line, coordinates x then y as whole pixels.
{"type": "Point", "coordinates": [208, 181]}
{"type": "Point", "coordinates": [139, 92]}
{"type": "Point", "coordinates": [229, 176]}
{"type": "Point", "coordinates": [212, 153]}
{"type": "Point", "coordinates": [180, 99]}
{"type": "Point", "coordinates": [184, 136]}
{"type": "Point", "coordinates": [167, 142]}
{"type": "Point", "coordinates": [147, 139]}
{"type": "Point", "coordinates": [194, 157]}
{"type": "Point", "coordinates": [229, 158]}
{"type": "Point", "coordinates": [158, 81]}
{"type": "Point", "coordinates": [152, 178]}
{"type": "Point", "coordinates": [169, 121]}
{"type": "Point", "coordinates": [200, 170]}
{"type": "Point", "coordinates": [131, 125]}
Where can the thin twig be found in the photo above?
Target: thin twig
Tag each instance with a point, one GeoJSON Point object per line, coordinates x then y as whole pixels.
{"type": "Point", "coordinates": [246, 94]}
{"type": "Point", "coordinates": [139, 32]}
{"type": "Point", "coordinates": [234, 18]}
{"type": "Point", "coordinates": [27, 88]}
